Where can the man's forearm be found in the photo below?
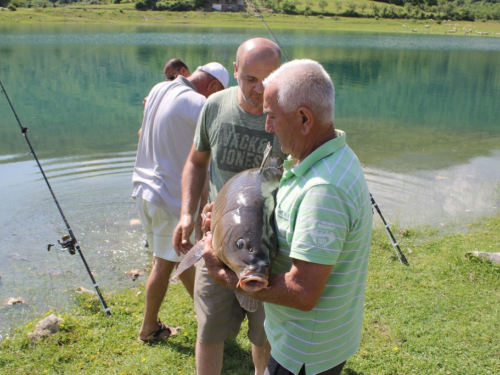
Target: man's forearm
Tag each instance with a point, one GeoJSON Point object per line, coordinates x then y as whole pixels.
{"type": "Point", "coordinates": [285, 291]}
{"type": "Point", "coordinates": [193, 181]}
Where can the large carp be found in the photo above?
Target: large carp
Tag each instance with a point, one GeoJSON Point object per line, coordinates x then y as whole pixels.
{"type": "Point", "coordinates": [242, 226]}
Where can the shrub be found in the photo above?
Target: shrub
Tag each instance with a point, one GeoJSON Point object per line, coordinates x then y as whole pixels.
{"type": "Point", "coordinates": [176, 6]}
{"type": "Point", "coordinates": [288, 7]}
{"type": "Point", "coordinates": [145, 5]}
{"type": "Point", "coordinates": [141, 5]}
{"type": "Point", "coordinates": [12, 7]}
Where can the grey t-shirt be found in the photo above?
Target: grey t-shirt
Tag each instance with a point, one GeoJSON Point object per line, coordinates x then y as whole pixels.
{"type": "Point", "coordinates": [236, 139]}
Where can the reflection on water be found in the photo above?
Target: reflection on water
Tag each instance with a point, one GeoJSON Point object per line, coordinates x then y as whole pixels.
{"type": "Point", "coordinates": [421, 113]}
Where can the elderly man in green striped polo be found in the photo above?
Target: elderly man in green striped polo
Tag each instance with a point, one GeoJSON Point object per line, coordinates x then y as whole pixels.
{"type": "Point", "coordinates": [314, 305]}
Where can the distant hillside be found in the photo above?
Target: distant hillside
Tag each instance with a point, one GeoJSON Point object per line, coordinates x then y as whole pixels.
{"type": "Point", "coordinates": [460, 10]}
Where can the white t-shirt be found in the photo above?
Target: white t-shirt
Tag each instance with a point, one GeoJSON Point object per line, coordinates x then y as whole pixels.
{"type": "Point", "coordinates": [170, 118]}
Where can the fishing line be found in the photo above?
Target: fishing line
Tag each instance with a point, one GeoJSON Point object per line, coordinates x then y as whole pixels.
{"type": "Point", "coordinates": [394, 243]}
{"type": "Point", "coordinates": [258, 15]}
{"type": "Point", "coordinates": [69, 241]}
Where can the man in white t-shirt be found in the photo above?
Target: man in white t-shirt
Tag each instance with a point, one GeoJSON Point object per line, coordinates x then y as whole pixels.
{"type": "Point", "coordinates": [170, 118]}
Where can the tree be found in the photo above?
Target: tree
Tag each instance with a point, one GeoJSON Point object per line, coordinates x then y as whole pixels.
{"type": "Point", "coordinates": [339, 6]}
{"type": "Point", "coordinates": [322, 5]}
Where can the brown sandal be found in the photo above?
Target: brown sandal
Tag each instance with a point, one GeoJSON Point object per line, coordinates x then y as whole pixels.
{"type": "Point", "coordinates": [163, 332]}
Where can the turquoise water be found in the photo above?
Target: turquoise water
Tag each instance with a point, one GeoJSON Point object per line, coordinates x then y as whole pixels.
{"type": "Point", "coordinates": [420, 111]}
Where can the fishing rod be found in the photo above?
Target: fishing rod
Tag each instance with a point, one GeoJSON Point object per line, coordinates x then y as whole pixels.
{"type": "Point", "coordinates": [69, 241]}
{"type": "Point", "coordinates": [259, 15]}
{"type": "Point", "coordinates": [394, 243]}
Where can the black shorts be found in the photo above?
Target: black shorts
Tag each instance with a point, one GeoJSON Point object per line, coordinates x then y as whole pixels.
{"type": "Point", "coordinates": [274, 368]}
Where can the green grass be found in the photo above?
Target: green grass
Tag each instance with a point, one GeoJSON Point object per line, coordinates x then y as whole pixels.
{"type": "Point", "coordinates": [438, 316]}
{"type": "Point", "coordinates": [125, 14]}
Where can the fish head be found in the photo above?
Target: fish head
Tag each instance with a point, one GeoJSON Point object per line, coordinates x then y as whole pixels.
{"type": "Point", "coordinates": [244, 249]}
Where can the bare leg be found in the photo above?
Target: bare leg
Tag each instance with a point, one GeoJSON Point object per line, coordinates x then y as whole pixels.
{"type": "Point", "coordinates": [156, 288]}
{"type": "Point", "coordinates": [209, 358]}
{"type": "Point", "coordinates": [187, 278]}
{"type": "Point", "coordinates": [260, 356]}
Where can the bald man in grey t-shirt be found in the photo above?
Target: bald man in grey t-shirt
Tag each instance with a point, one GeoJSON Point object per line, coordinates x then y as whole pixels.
{"type": "Point", "coordinates": [231, 136]}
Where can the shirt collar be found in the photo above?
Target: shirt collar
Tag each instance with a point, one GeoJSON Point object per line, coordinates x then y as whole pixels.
{"type": "Point", "coordinates": [328, 148]}
{"type": "Point", "coordinates": [186, 82]}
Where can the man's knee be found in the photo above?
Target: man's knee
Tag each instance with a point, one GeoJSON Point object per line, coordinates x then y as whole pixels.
{"type": "Point", "coordinates": [163, 266]}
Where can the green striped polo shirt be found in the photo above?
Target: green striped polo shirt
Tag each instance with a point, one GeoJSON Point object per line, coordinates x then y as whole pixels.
{"type": "Point", "coordinates": [323, 216]}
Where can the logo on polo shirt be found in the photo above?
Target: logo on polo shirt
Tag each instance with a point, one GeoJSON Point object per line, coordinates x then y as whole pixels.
{"type": "Point", "coordinates": [323, 235]}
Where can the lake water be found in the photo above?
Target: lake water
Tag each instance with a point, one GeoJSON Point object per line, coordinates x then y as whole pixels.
{"type": "Point", "coordinates": [421, 112]}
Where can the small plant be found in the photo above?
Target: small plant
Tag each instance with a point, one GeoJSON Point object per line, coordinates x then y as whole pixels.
{"type": "Point", "coordinates": [12, 7]}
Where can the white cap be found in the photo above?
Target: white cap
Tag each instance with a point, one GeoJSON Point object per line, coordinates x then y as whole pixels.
{"type": "Point", "coordinates": [218, 71]}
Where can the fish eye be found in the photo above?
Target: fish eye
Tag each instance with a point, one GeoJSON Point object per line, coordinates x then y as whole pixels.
{"type": "Point", "coordinates": [240, 244]}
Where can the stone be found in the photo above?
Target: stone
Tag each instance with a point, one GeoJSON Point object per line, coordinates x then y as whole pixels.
{"type": "Point", "coordinates": [135, 222]}
{"type": "Point", "coordinates": [46, 327]}
{"type": "Point", "coordinates": [134, 274]}
{"type": "Point", "coordinates": [14, 301]}
{"type": "Point", "coordinates": [81, 290]}
{"type": "Point", "coordinates": [492, 257]}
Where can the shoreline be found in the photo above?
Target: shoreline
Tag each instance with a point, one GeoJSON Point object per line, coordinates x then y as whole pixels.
{"type": "Point", "coordinates": [424, 314]}
{"type": "Point", "coordinates": [125, 14]}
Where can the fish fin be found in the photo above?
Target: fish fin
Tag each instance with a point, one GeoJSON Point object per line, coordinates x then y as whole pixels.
{"type": "Point", "coordinates": [248, 303]}
{"type": "Point", "coordinates": [265, 158]}
{"type": "Point", "coordinates": [190, 259]}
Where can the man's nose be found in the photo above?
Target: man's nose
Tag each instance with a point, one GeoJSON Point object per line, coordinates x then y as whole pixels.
{"type": "Point", "coordinates": [259, 87]}
{"type": "Point", "coordinates": [269, 126]}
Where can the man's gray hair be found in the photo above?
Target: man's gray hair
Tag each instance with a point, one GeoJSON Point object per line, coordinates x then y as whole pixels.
{"type": "Point", "coordinates": [304, 83]}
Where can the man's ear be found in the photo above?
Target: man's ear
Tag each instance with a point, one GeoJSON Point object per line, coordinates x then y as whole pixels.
{"type": "Point", "coordinates": [213, 86]}
{"type": "Point", "coordinates": [306, 120]}
{"type": "Point", "coordinates": [235, 70]}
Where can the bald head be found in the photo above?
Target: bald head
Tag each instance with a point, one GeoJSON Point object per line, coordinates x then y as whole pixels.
{"type": "Point", "coordinates": [255, 60]}
{"type": "Point", "coordinates": [205, 83]}
{"type": "Point", "coordinates": [258, 49]}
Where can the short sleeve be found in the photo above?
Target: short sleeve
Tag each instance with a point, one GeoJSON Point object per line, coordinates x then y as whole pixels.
{"type": "Point", "coordinates": [201, 138]}
{"type": "Point", "coordinates": [324, 218]}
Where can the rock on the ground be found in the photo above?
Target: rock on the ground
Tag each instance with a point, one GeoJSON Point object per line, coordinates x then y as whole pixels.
{"type": "Point", "coordinates": [13, 301]}
{"type": "Point", "coordinates": [492, 257]}
{"type": "Point", "coordinates": [81, 290]}
{"type": "Point", "coordinates": [135, 222]}
{"type": "Point", "coordinates": [135, 273]}
{"type": "Point", "coordinates": [46, 327]}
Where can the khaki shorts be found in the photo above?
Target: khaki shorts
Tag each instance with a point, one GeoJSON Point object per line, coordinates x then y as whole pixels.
{"type": "Point", "coordinates": [159, 226]}
{"type": "Point", "coordinates": [219, 313]}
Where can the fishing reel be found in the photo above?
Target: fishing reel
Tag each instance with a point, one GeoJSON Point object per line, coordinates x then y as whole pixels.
{"type": "Point", "coordinates": [66, 243]}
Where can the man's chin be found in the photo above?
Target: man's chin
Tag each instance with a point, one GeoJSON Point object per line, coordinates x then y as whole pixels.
{"type": "Point", "coordinates": [255, 103]}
